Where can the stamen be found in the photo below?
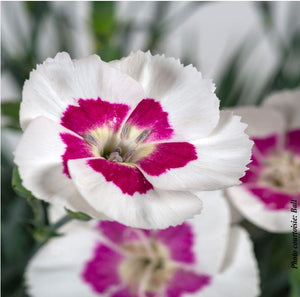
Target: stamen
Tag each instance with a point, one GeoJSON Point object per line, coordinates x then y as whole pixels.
{"type": "Point", "coordinates": [142, 137]}
{"type": "Point", "coordinates": [128, 155]}
{"type": "Point", "coordinates": [124, 132]}
{"type": "Point", "coordinates": [90, 139]}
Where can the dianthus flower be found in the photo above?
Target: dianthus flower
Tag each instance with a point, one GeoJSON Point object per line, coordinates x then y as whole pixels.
{"type": "Point", "coordinates": [203, 257]}
{"type": "Point", "coordinates": [270, 192]}
{"type": "Point", "coordinates": [127, 140]}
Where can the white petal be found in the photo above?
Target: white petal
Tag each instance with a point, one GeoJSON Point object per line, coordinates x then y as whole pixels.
{"type": "Point", "coordinates": [55, 270]}
{"type": "Point", "coordinates": [239, 276]}
{"type": "Point", "coordinates": [154, 210]}
{"type": "Point", "coordinates": [211, 229]}
{"type": "Point", "coordinates": [38, 157]}
{"type": "Point", "coordinates": [235, 215]}
{"type": "Point", "coordinates": [61, 81]}
{"type": "Point", "coordinates": [262, 121]}
{"type": "Point", "coordinates": [288, 103]}
{"type": "Point", "coordinates": [255, 211]}
{"type": "Point", "coordinates": [221, 162]}
{"type": "Point", "coordinates": [189, 99]}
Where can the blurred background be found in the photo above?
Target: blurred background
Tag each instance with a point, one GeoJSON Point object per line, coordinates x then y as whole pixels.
{"type": "Point", "coordinates": [249, 49]}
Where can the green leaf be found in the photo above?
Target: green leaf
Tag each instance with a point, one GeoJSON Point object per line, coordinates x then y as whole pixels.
{"type": "Point", "coordinates": [295, 282]}
{"type": "Point", "coordinates": [44, 233]}
{"type": "Point", "coordinates": [11, 110]}
{"type": "Point", "coordinates": [105, 28]}
{"type": "Point", "coordinates": [229, 89]}
{"type": "Point", "coordinates": [37, 8]}
{"type": "Point", "coordinates": [265, 8]}
{"type": "Point", "coordinates": [17, 185]}
{"type": "Point", "coordinates": [103, 17]}
{"type": "Point", "coordinates": [78, 215]}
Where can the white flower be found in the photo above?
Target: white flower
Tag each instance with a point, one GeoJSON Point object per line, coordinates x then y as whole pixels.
{"type": "Point", "coordinates": [203, 257]}
{"type": "Point", "coordinates": [271, 187]}
{"type": "Point", "coordinates": [127, 140]}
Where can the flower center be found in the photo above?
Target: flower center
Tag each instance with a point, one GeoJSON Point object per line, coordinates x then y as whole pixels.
{"type": "Point", "coordinates": [126, 146]}
{"type": "Point", "coordinates": [282, 171]}
{"type": "Point", "coordinates": [148, 266]}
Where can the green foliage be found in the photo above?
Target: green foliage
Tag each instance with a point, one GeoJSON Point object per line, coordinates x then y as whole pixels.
{"type": "Point", "coordinates": [37, 9]}
{"type": "Point", "coordinates": [44, 233]}
{"type": "Point", "coordinates": [226, 89]}
{"type": "Point", "coordinates": [78, 215]}
{"type": "Point", "coordinates": [265, 9]}
{"type": "Point", "coordinates": [103, 20]}
{"type": "Point", "coordinates": [272, 253]}
{"type": "Point", "coordinates": [295, 282]}
{"type": "Point", "coordinates": [10, 110]}
{"type": "Point", "coordinates": [38, 207]}
{"type": "Point", "coordinates": [17, 185]}
{"type": "Point", "coordinates": [17, 242]}
{"type": "Point", "coordinates": [105, 27]}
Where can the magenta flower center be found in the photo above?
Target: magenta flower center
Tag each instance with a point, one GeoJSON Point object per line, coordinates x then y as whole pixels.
{"type": "Point", "coordinates": [120, 142]}
{"type": "Point", "coordinates": [282, 171]}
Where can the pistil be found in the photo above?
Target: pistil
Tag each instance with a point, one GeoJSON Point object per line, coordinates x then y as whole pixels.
{"type": "Point", "coordinates": [128, 155]}
{"type": "Point", "coordinates": [115, 155]}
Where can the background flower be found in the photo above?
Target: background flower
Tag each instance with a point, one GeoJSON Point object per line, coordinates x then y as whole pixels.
{"type": "Point", "coordinates": [114, 260]}
{"type": "Point", "coordinates": [273, 179]}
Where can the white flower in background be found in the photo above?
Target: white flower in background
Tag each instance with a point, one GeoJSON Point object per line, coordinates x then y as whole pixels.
{"type": "Point", "coordinates": [273, 179]}
{"type": "Point", "coordinates": [127, 140]}
{"type": "Point", "coordinates": [203, 257]}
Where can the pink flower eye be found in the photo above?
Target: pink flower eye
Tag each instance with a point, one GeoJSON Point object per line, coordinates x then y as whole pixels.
{"type": "Point", "coordinates": [144, 262]}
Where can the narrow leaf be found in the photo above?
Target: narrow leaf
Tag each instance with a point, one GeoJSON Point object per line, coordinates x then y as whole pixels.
{"type": "Point", "coordinates": [17, 185]}
{"type": "Point", "coordinates": [78, 215]}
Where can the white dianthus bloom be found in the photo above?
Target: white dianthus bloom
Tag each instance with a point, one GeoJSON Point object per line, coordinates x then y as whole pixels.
{"type": "Point", "coordinates": [270, 193]}
{"type": "Point", "coordinates": [203, 257]}
{"type": "Point", "coordinates": [127, 140]}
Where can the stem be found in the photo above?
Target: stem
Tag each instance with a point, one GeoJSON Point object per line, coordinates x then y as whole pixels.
{"type": "Point", "coordinates": [50, 232]}
{"type": "Point", "coordinates": [61, 222]}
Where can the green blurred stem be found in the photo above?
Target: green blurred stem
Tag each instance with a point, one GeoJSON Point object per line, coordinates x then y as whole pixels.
{"type": "Point", "coordinates": [61, 222]}
{"type": "Point", "coordinates": [51, 232]}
